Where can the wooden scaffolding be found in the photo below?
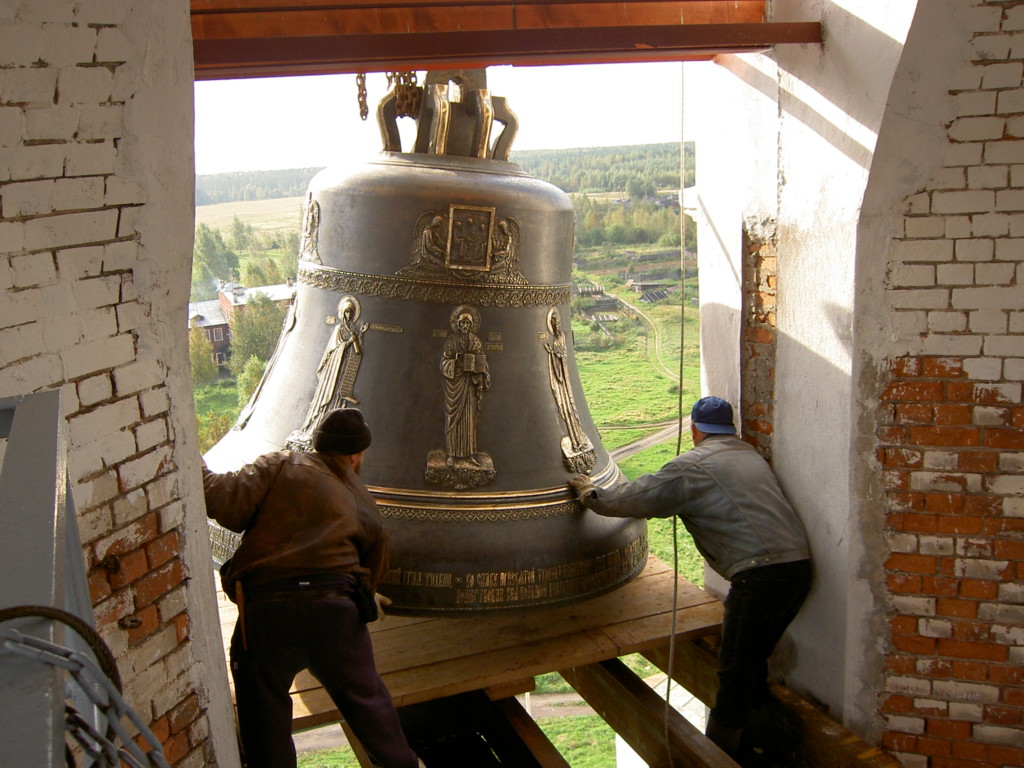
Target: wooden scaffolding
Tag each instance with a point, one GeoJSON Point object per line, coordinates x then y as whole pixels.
{"type": "Point", "coordinates": [455, 681]}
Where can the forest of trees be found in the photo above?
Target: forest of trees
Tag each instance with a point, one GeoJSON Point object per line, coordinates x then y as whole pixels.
{"type": "Point", "coordinates": [595, 169]}
{"type": "Point", "coordinates": [624, 196]}
{"type": "Point", "coordinates": [252, 185]}
{"type": "Point", "coordinates": [610, 169]}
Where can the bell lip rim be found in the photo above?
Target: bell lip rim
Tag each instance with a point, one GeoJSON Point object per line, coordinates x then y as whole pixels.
{"type": "Point", "coordinates": [550, 496]}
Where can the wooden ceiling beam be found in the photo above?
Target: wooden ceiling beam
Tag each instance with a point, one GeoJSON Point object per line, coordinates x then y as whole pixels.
{"type": "Point", "coordinates": [475, 15]}
{"type": "Point", "coordinates": [271, 55]}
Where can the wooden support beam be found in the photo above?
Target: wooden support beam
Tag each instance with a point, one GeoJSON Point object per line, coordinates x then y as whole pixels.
{"type": "Point", "coordinates": [513, 688]}
{"type": "Point", "coordinates": [640, 716]}
{"type": "Point", "coordinates": [532, 736]}
{"type": "Point", "coordinates": [271, 55]}
{"type": "Point", "coordinates": [695, 667]}
{"type": "Point", "coordinates": [822, 741]}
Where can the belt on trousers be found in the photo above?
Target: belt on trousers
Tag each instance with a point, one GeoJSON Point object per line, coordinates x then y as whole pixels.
{"type": "Point", "coordinates": [323, 586]}
{"type": "Point", "coordinates": [319, 586]}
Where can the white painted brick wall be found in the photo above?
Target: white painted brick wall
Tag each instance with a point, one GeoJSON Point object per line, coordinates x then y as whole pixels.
{"type": "Point", "coordinates": [977, 128]}
{"type": "Point", "coordinates": [95, 389]}
{"type": "Point", "coordinates": [1013, 369]}
{"type": "Point", "coordinates": [100, 121]}
{"type": "Point", "coordinates": [77, 170]}
{"type": "Point", "coordinates": [138, 376]}
{"type": "Point", "coordinates": [89, 159]}
{"type": "Point", "coordinates": [50, 123]}
{"type": "Point", "coordinates": [43, 161]}
{"type": "Point", "coordinates": [28, 86]}
{"type": "Point", "coordinates": [946, 322]}
{"type": "Point", "coordinates": [33, 269]}
{"type": "Point", "coordinates": [85, 359]}
{"type": "Point", "coordinates": [70, 229]}
{"type": "Point", "coordinates": [151, 434]}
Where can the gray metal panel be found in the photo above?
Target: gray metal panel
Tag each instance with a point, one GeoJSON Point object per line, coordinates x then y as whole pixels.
{"type": "Point", "coordinates": [32, 572]}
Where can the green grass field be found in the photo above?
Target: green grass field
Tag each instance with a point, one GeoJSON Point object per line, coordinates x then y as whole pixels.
{"type": "Point", "coordinates": [283, 213]}
{"type": "Point", "coordinates": [585, 742]}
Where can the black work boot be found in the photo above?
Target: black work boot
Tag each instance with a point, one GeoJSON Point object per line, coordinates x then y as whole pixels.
{"type": "Point", "coordinates": [728, 739]}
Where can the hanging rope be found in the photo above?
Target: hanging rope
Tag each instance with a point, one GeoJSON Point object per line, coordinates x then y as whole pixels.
{"type": "Point", "coordinates": [679, 448]}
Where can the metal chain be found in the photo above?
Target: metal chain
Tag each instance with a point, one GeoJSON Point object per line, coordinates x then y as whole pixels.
{"type": "Point", "coordinates": [364, 110]}
{"type": "Point", "coordinates": [407, 95]}
{"type": "Point", "coordinates": [102, 693]}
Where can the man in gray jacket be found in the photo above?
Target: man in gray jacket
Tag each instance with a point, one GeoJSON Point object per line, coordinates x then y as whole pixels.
{"type": "Point", "coordinates": [730, 501]}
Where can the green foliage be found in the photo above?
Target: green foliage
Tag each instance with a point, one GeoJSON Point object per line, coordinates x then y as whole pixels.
{"type": "Point", "coordinates": [339, 757]}
{"type": "Point", "coordinates": [585, 742]}
{"type": "Point", "coordinates": [252, 185]}
{"type": "Point", "coordinates": [200, 357]}
{"type": "Point", "coordinates": [609, 169]}
{"type": "Point", "coordinates": [290, 253]}
{"type": "Point", "coordinates": [255, 331]}
{"type": "Point", "coordinates": [242, 235]}
{"type": "Point", "coordinates": [623, 389]}
{"type": "Point", "coordinates": [212, 427]}
{"type": "Point", "coordinates": [615, 438]}
{"type": "Point", "coordinates": [250, 376]}
{"type": "Point", "coordinates": [216, 410]}
{"type": "Point", "coordinates": [211, 261]}
{"type": "Point", "coordinates": [614, 222]}
{"type": "Point", "coordinates": [551, 682]}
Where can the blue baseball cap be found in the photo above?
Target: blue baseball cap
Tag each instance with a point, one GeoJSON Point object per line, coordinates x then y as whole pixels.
{"type": "Point", "coordinates": [713, 415]}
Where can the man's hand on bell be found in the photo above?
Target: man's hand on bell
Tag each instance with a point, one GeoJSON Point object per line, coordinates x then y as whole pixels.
{"type": "Point", "coordinates": [581, 486]}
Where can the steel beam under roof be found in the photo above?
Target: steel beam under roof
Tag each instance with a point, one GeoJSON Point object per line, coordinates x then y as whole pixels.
{"type": "Point", "coordinates": [262, 38]}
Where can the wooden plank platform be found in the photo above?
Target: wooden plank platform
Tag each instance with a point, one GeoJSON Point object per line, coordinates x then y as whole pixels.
{"type": "Point", "coordinates": [421, 659]}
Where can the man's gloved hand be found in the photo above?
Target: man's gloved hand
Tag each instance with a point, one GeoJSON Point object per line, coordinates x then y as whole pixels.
{"type": "Point", "coordinates": [382, 603]}
{"type": "Point", "coordinates": [581, 485]}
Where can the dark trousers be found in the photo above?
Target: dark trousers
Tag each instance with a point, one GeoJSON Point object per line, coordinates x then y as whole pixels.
{"type": "Point", "coordinates": [760, 605]}
{"type": "Point", "coordinates": [321, 632]}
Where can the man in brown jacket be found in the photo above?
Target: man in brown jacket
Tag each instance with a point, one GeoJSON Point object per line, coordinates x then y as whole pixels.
{"type": "Point", "coordinates": [311, 534]}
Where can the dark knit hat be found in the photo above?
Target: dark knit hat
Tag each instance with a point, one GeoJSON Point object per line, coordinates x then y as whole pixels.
{"type": "Point", "coordinates": [342, 431]}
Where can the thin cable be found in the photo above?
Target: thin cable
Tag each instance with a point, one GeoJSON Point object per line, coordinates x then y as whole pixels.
{"type": "Point", "coordinates": [679, 448]}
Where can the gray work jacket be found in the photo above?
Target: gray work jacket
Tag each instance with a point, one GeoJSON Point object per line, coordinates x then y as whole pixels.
{"type": "Point", "coordinates": [727, 497]}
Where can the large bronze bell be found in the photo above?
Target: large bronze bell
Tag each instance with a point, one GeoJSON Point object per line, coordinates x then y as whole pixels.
{"type": "Point", "coordinates": [433, 294]}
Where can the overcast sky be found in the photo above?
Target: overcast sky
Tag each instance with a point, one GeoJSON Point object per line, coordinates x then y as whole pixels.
{"type": "Point", "coordinates": [301, 122]}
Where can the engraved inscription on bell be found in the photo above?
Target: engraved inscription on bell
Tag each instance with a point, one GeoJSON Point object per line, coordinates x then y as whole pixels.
{"type": "Point", "coordinates": [466, 378]}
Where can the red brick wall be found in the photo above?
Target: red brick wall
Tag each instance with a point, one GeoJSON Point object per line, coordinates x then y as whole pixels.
{"type": "Point", "coordinates": [757, 374]}
{"type": "Point", "coordinates": [955, 687]}
{"type": "Point", "coordinates": [949, 426]}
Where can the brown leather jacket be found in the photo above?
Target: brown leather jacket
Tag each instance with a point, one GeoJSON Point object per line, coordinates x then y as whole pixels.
{"type": "Point", "coordinates": [300, 514]}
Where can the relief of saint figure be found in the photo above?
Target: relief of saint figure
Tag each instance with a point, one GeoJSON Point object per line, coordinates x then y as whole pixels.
{"type": "Point", "coordinates": [466, 379]}
{"type": "Point", "coordinates": [336, 374]}
{"type": "Point", "coordinates": [309, 247]}
{"type": "Point", "coordinates": [577, 449]}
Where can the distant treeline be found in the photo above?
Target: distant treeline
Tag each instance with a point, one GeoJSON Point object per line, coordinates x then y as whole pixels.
{"type": "Point", "coordinates": [252, 185]}
{"type": "Point", "coordinates": [609, 169]}
{"type": "Point", "coordinates": [598, 169]}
